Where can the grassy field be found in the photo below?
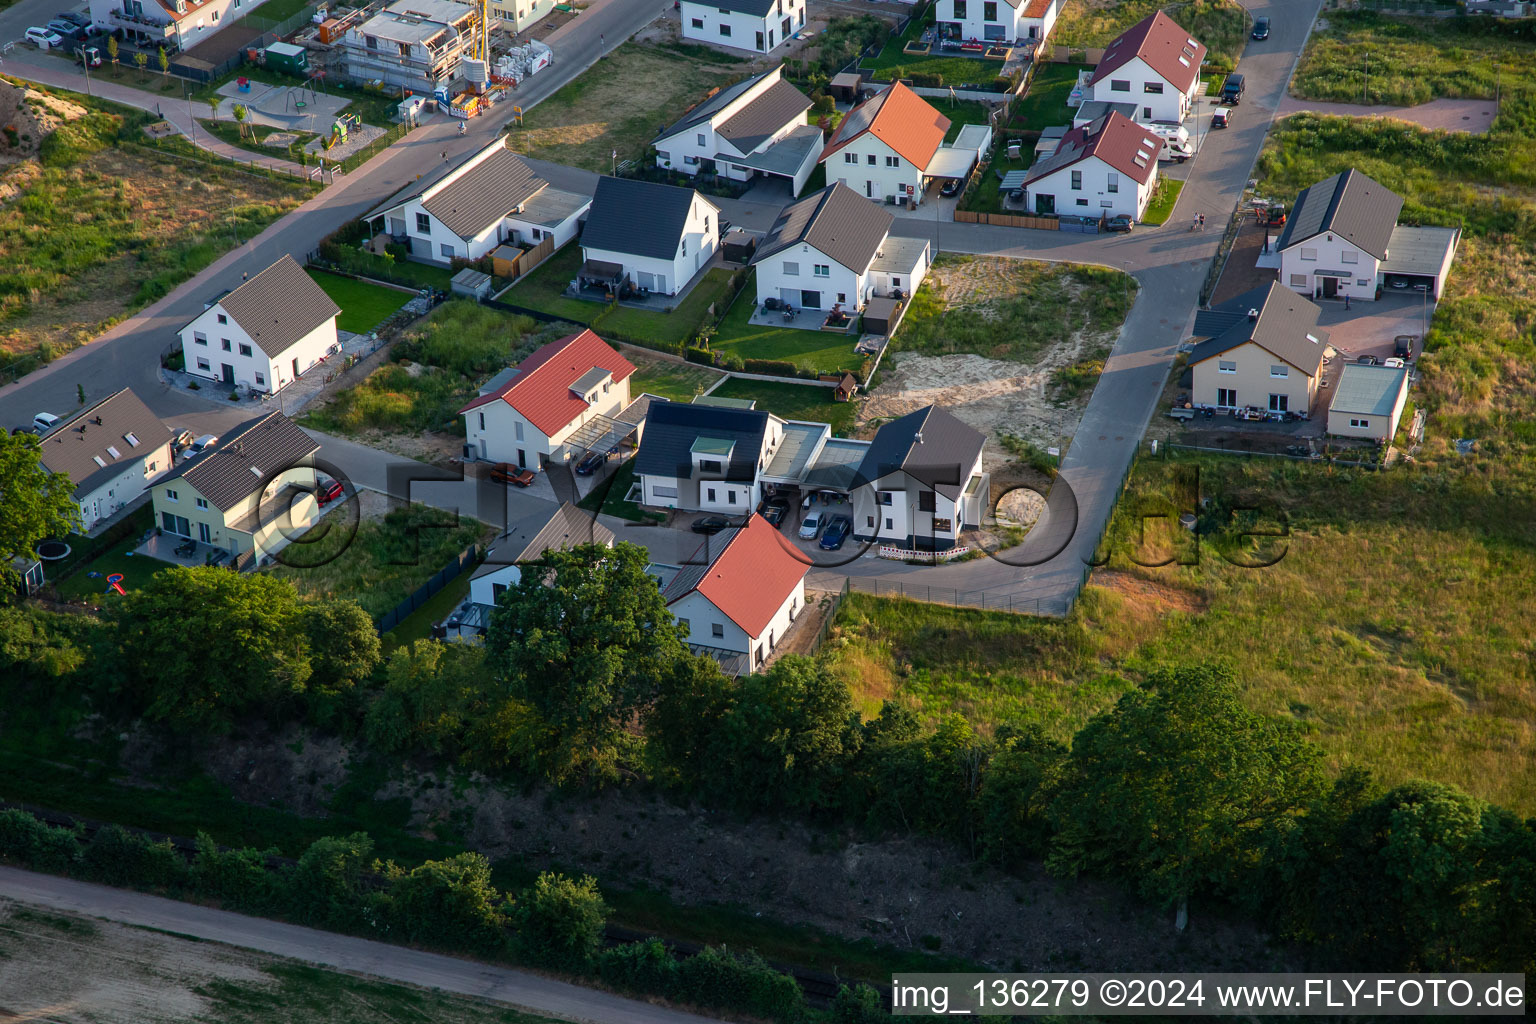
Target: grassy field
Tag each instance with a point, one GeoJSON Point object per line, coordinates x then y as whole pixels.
{"type": "Point", "coordinates": [1164, 196]}
{"type": "Point", "coordinates": [1010, 309]}
{"type": "Point", "coordinates": [1221, 25]}
{"type": "Point", "coordinates": [98, 231]}
{"type": "Point", "coordinates": [136, 570]}
{"type": "Point", "coordinates": [1045, 104]}
{"type": "Point", "coordinates": [793, 402]}
{"type": "Point", "coordinates": [228, 131]}
{"type": "Point", "coordinates": [819, 350]}
{"type": "Point", "coordinates": [363, 305]}
{"type": "Point", "coordinates": [617, 104]}
{"type": "Point", "coordinates": [667, 379]}
{"type": "Point", "coordinates": [418, 624]}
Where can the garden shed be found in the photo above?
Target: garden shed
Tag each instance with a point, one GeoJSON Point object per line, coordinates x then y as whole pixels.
{"type": "Point", "coordinates": [472, 284]}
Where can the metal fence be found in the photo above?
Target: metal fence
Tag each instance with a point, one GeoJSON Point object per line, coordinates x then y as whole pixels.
{"type": "Point", "coordinates": [440, 579]}
{"type": "Point", "coordinates": [951, 596]}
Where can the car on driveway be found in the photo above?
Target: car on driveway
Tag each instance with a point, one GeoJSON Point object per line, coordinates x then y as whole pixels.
{"type": "Point", "coordinates": [75, 18]}
{"type": "Point", "coordinates": [201, 445]}
{"type": "Point", "coordinates": [1232, 90]}
{"type": "Point", "coordinates": [1368, 361]}
{"type": "Point", "coordinates": [506, 473]}
{"type": "Point", "coordinates": [1260, 28]}
{"type": "Point", "coordinates": [44, 39]}
{"type": "Point", "coordinates": [1402, 345]}
{"type": "Point", "coordinates": [328, 491]}
{"type": "Point", "coordinates": [836, 532]}
{"type": "Point", "coordinates": [811, 525]}
{"type": "Point", "coordinates": [65, 29]}
{"type": "Point", "coordinates": [590, 463]}
{"type": "Point", "coordinates": [1221, 118]}
{"type": "Point", "coordinates": [1120, 223]}
{"type": "Point", "coordinates": [775, 511]}
{"type": "Point", "coordinates": [713, 524]}
{"type": "Point", "coordinates": [951, 187]}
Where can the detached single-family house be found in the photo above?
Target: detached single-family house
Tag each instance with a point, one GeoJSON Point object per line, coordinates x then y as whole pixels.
{"type": "Point", "coordinates": [922, 482]}
{"type": "Point", "coordinates": [738, 594]}
{"type": "Point", "coordinates": [265, 333]}
{"type": "Point", "coordinates": [706, 458]}
{"type": "Point", "coordinates": [1154, 64]}
{"type": "Point", "coordinates": [172, 24]}
{"type": "Point", "coordinates": [831, 249]}
{"type": "Point", "coordinates": [250, 495]}
{"type": "Point", "coordinates": [418, 45]}
{"type": "Point", "coordinates": [1107, 168]}
{"type": "Point", "coordinates": [524, 541]}
{"type": "Point", "coordinates": [756, 25]}
{"type": "Point", "coordinates": [467, 210]}
{"type": "Point", "coordinates": [520, 15]}
{"type": "Point", "coordinates": [656, 238]}
{"type": "Point", "coordinates": [755, 127]}
{"type": "Point", "coordinates": [1005, 21]}
{"type": "Point", "coordinates": [883, 147]}
{"type": "Point", "coordinates": [565, 398]}
{"type": "Point", "coordinates": [1263, 351]}
{"type": "Point", "coordinates": [110, 451]}
{"type": "Point", "coordinates": [1368, 402]}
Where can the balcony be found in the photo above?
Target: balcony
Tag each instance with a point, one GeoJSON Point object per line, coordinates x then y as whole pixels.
{"type": "Point", "coordinates": [141, 25]}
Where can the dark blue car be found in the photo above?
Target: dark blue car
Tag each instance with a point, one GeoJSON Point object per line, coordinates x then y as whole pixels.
{"type": "Point", "coordinates": [836, 532]}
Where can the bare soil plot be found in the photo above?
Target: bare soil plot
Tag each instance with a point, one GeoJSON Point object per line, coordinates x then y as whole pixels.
{"type": "Point", "coordinates": [1446, 114]}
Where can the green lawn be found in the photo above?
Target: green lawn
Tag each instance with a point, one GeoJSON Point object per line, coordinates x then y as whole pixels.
{"type": "Point", "coordinates": [666, 379]}
{"type": "Point", "coordinates": [1045, 104]}
{"type": "Point", "coordinates": [1164, 196]}
{"type": "Point", "coordinates": [418, 624]}
{"type": "Point", "coordinates": [793, 402]}
{"type": "Point", "coordinates": [136, 570]}
{"type": "Point", "coordinates": [892, 63]}
{"type": "Point", "coordinates": [608, 497]}
{"type": "Point", "coordinates": [962, 113]}
{"type": "Point", "coordinates": [822, 351]}
{"type": "Point", "coordinates": [229, 131]}
{"type": "Point", "coordinates": [363, 306]}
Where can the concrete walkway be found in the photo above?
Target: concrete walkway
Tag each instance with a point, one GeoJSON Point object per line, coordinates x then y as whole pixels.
{"type": "Point", "coordinates": [530, 992]}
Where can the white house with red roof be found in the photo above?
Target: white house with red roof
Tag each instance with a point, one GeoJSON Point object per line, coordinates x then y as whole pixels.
{"type": "Point", "coordinates": [884, 147]}
{"type": "Point", "coordinates": [565, 398]}
{"type": "Point", "coordinates": [738, 594]}
{"type": "Point", "coordinates": [1007, 21]}
{"type": "Point", "coordinates": [1106, 168]}
{"type": "Point", "coordinates": [1154, 64]}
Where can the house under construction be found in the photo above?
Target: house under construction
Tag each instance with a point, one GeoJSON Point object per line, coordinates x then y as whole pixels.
{"type": "Point", "coordinates": [415, 44]}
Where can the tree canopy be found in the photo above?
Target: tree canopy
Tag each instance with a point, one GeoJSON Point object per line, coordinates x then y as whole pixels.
{"type": "Point", "coordinates": [34, 504]}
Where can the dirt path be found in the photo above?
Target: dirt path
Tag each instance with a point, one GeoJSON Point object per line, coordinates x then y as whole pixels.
{"type": "Point", "coordinates": [1446, 115]}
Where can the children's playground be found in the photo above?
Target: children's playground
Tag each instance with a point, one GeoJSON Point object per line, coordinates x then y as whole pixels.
{"type": "Point", "coordinates": [299, 108]}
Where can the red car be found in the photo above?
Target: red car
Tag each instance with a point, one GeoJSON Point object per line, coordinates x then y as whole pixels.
{"type": "Point", "coordinates": [506, 473]}
{"type": "Point", "coordinates": [329, 491]}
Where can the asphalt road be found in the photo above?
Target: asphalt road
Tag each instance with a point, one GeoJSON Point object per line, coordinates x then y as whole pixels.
{"type": "Point", "coordinates": [520, 989]}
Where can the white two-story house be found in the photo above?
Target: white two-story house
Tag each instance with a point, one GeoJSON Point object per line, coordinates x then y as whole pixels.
{"type": "Point", "coordinates": [757, 126]}
{"type": "Point", "coordinates": [706, 458]}
{"type": "Point", "coordinates": [997, 20]}
{"type": "Point", "coordinates": [921, 482]}
{"type": "Point", "coordinates": [111, 451]}
{"type": "Point", "coordinates": [265, 333]}
{"type": "Point", "coordinates": [1154, 64]}
{"type": "Point", "coordinates": [831, 249]}
{"type": "Point", "coordinates": [756, 25]}
{"type": "Point", "coordinates": [1262, 350]}
{"type": "Point", "coordinates": [883, 148]}
{"type": "Point", "coordinates": [1337, 237]}
{"type": "Point", "coordinates": [465, 210]}
{"type": "Point", "coordinates": [563, 399]}
{"type": "Point", "coordinates": [414, 44]}
{"type": "Point", "coordinates": [173, 24]}
{"type": "Point", "coordinates": [653, 237]}
{"type": "Point", "coordinates": [1107, 168]}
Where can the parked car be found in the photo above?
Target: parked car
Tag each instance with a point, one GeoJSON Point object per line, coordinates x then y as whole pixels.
{"type": "Point", "coordinates": [506, 473]}
{"type": "Point", "coordinates": [836, 532]}
{"type": "Point", "coordinates": [180, 438]}
{"type": "Point", "coordinates": [1402, 345]}
{"type": "Point", "coordinates": [590, 463]}
{"type": "Point", "coordinates": [201, 445]}
{"type": "Point", "coordinates": [44, 422]}
{"type": "Point", "coordinates": [65, 29]}
{"type": "Point", "coordinates": [1232, 90]}
{"type": "Point", "coordinates": [44, 39]}
{"type": "Point", "coordinates": [775, 511]}
{"type": "Point", "coordinates": [1394, 362]}
{"type": "Point", "coordinates": [1121, 223]}
{"type": "Point", "coordinates": [951, 187]}
{"type": "Point", "coordinates": [328, 491]}
{"type": "Point", "coordinates": [712, 524]}
{"type": "Point", "coordinates": [1261, 28]}
{"type": "Point", "coordinates": [811, 525]}
{"type": "Point", "coordinates": [1368, 361]}
{"type": "Point", "coordinates": [74, 18]}
{"type": "Point", "coordinates": [1221, 118]}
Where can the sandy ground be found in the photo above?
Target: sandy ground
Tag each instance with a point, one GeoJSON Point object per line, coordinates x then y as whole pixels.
{"type": "Point", "coordinates": [33, 116]}
{"type": "Point", "coordinates": [1446, 115]}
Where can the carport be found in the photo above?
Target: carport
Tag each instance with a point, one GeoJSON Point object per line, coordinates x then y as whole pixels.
{"type": "Point", "coordinates": [1419, 258]}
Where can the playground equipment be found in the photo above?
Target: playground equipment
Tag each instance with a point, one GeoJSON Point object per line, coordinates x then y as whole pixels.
{"type": "Point", "coordinates": [115, 581]}
{"type": "Point", "coordinates": [341, 128]}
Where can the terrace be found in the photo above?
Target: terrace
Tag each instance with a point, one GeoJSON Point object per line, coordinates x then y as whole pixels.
{"type": "Point", "coordinates": [775, 314]}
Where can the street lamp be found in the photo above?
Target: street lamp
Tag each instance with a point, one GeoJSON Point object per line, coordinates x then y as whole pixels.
{"type": "Point", "coordinates": [1365, 93]}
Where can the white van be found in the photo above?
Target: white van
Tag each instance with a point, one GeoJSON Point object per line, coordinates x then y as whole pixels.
{"type": "Point", "coordinates": [1168, 130]}
{"type": "Point", "coordinates": [1176, 151]}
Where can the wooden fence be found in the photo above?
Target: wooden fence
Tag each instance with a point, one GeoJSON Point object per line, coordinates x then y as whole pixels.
{"type": "Point", "coordinates": [1008, 220]}
{"type": "Point", "coordinates": [525, 260]}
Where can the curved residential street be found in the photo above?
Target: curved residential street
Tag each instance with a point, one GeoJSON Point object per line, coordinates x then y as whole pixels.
{"type": "Point", "coordinates": [1170, 263]}
{"type": "Point", "coordinates": [531, 992]}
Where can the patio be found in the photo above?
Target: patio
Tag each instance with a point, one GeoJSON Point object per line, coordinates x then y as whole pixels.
{"type": "Point", "coordinates": [599, 280]}
{"type": "Point", "coordinates": [176, 550]}
{"type": "Point", "coordinates": [801, 319]}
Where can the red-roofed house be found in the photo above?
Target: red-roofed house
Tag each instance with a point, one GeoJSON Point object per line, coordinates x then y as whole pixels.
{"type": "Point", "coordinates": [739, 593]}
{"type": "Point", "coordinates": [1105, 168]}
{"type": "Point", "coordinates": [1154, 64]}
{"type": "Point", "coordinates": [882, 149]}
{"type": "Point", "coordinates": [1007, 21]}
{"type": "Point", "coordinates": [537, 409]}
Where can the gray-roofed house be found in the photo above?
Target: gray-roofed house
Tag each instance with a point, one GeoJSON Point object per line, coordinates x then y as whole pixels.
{"type": "Point", "coordinates": [921, 482]}
{"type": "Point", "coordinates": [646, 236]}
{"type": "Point", "coordinates": [831, 249]}
{"type": "Point", "coordinates": [706, 458]}
{"type": "Point", "coordinates": [1368, 402]}
{"type": "Point", "coordinates": [755, 127]}
{"type": "Point", "coordinates": [1337, 236]}
{"type": "Point", "coordinates": [467, 209]}
{"type": "Point", "coordinates": [1262, 351]}
{"type": "Point", "coordinates": [265, 333]}
{"type": "Point", "coordinates": [756, 25]}
{"type": "Point", "coordinates": [111, 451]}
{"type": "Point", "coordinates": [248, 496]}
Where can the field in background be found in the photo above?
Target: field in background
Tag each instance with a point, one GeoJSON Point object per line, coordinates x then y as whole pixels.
{"type": "Point", "coordinates": [1222, 25]}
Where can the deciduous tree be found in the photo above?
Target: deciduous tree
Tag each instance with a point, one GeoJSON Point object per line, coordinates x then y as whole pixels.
{"type": "Point", "coordinates": [34, 504]}
{"type": "Point", "coordinates": [560, 920]}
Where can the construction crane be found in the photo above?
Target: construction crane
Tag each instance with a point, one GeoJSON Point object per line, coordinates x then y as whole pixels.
{"type": "Point", "coordinates": [481, 48]}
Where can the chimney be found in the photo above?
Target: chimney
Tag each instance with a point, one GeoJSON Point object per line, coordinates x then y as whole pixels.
{"type": "Point", "coordinates": [98, 421]}
{"type": "Point", "coordinates": [917, 438]}
{"type": "Point", "coordinates": [1253, 316]}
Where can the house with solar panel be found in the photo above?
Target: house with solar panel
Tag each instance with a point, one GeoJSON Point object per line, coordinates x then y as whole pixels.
{"type": "Point", "coordinates": [467, 209]}
{"type": "Point", "coordinates": [645, 238]}
{"type": "Point", "coordinates": [569, 397]}
{"type": "Point", "coordinates": [1154, 64]}
{"type": "Point", "coordinates": [756, 25]}
{"type": "Point", "coordinates": [756, 127]}
{"type": "Point", "coordinates": [265, 333]}
{"type": "Point", "coordinates": [1107, 168]}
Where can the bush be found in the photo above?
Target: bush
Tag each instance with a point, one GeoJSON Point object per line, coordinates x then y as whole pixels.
{"type": "Point", "coordinates": [560, 921]}
{"type": "Point", "coordinates": [739, 982]}
{"type": "Point", "coordinates": [448, 903]}
{"type": "Point", "coordinates": [704, 356]}
{"type": "Point", "coordinates": [772, 367]}
{"type": "Point", "coordinates": [930, 79]}
{"type": "Point", "coordinates": [645, 966]}
{"type": "Point", "coordinates": [119, 857]}
{"type": "Point", "coordinates": [858, 1005]}
{"type": "Point", "coordinates": [239, 879]}
{"type": "Point", "coordinates": [34, 844]}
